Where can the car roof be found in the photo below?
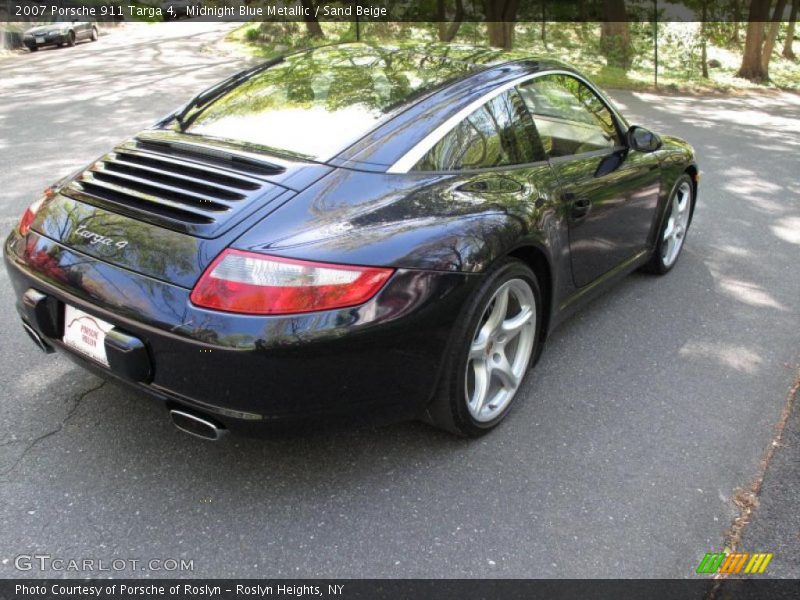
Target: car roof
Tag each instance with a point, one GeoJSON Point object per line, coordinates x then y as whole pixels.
{"type": "Point", "coordinates": [484, 69]}
{"type": "Point", "coordinates": [315, 103]}
{"type": "Point", "coordinates": [328, 103]}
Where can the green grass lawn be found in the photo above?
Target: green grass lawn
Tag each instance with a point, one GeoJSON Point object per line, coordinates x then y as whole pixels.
{"type": "Point", "coordinates": [679, 51]}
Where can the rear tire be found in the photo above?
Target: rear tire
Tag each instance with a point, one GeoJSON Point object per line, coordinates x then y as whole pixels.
{"type": "Point", "coordinates": [676, 225]}
{"type": "Point", "coordinates": [71, 39]}
{"type": "Point", "coordinates": [491, 352]}
{"type": "Point", "coordinates": [94, 34]}
{"type": "Point", "coordinates": [33, 48]}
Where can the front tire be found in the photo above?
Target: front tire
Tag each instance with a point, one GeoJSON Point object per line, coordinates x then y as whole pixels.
{"type": "Point", "coordinates": [491, 352]}
{"type": "Point", "coordinates": [71, 39]}
{"type": "Point", "coordinates": [676, 226]}
{"type": "Point", "coordinates": [94, 34]}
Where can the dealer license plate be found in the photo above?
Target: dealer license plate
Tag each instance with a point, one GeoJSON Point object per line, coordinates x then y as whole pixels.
{"type": "Point", "coordinates": [40, 40]}
{"type": "Point", "coordinates": [86, 334]}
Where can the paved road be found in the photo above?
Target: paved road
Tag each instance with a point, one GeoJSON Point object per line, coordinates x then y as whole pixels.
{"type": "Point", "coordinates": [645, 413]}
{"type": "Point", "coordinates": [775, 526]}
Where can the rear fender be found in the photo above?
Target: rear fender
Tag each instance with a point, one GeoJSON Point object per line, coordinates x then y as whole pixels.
{"type": "Point", "coordinates": [429, 221]}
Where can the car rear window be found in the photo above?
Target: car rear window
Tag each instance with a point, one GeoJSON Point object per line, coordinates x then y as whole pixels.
{"type": "Point", "coordinates": [317, 103]}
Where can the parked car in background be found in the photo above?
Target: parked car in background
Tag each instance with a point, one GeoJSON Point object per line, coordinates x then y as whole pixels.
{"type": "Point", "coordinates": [59, 34]}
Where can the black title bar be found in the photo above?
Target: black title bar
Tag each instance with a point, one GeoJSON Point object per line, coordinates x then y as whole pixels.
{"type": "Point", "coordinates": [376, 589]}
{"type": "Point", "coordinates": [367, 11]}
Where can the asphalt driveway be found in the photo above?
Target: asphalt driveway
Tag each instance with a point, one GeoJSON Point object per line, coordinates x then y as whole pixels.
{"type": "Point", "coordinates": [645, 414]}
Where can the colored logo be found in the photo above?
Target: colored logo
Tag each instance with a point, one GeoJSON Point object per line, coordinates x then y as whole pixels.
{"type": "Point", "coordinates": [735, 562]}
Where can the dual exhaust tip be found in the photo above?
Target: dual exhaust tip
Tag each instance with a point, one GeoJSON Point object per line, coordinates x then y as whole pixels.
{"type": "Point", "coordinates": [37, 339]}
{"type": "Point", "coordinates": [196, 426]}
{"type": "Point", "coordinates": [185, 421]}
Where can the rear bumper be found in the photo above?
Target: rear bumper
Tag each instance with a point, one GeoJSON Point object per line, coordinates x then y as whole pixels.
{"type": "Point", "coordinates": [49, 40]}
{"type": "Point", "coordinates": [379, 361]}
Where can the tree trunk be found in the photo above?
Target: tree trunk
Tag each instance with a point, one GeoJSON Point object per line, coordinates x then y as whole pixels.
{"type": "Point", "coordinates": [703, 52]}
{"type": "Point", "coordinates": [500, 15]}
{"type": "Point", "coordinates": [509, 26]}
{"type": "Point", "coordinates": [312, 25]}
{"type": "Point", "coordinates": [615, 35]}
{"type": "Point", "coordinates": [737, 17]}
{"type": "Point", "coordinates": [703, 41]}
{"type": "Point", "coordinates": [497, 36]}
{"type": "Point", "coordinates": [752, 68]}
{"type": "Point", "coordinates": [448, 30]}
{"type": "Point", "coordinates": [544, 23]}
{"type": "Point", "coordinates": [772, 34]}
{"type": "Point", "coordinates": [787, 44]}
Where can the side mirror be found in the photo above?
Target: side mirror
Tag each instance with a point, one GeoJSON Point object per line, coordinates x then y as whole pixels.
{"type": "Point", "coordinates": [643, 140]}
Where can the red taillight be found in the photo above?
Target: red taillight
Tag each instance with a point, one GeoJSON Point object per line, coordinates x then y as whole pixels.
{"type": "Point", "coordinates": [246, 282]}
{"type": "Point", "coordinates": [30, 213]}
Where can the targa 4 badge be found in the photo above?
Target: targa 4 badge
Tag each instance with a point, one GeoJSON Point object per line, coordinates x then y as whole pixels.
{"type": "Point", "coordinates": [96, 238]}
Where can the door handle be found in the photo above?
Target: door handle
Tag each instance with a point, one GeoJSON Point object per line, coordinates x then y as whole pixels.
{"type": "Point", "coordinates": [494, 185]}
{"type": "Point", "coordinates": [580, 207]}
{"type": "Point", "coordinates": [474, 186]}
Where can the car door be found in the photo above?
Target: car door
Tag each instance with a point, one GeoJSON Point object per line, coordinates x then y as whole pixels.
{"type": "Point", "coordinates": [609, 193]}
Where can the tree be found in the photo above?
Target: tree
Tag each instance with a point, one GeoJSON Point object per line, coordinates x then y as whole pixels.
{"type": "Point", "coordinates": [772, 34]}
{"type": "Point", "coordinates": [500, 16]}
{"type": "Point", "coordinates": [752, 67]}
{"type": "Point", "coordinates": [737, 18]}
{"type": "Point", "coordinates": [787, 44]}
{"type": "Point", "coordinates": [615, 35]}
{"type": "Point", "coordinates": [448, 30]}
{"type": "Point", "coordinates": [704, 39]}
{"type": "Point", "coordinates": [543, 32]}
{"type": "Point", "coordinates": [313, 26]}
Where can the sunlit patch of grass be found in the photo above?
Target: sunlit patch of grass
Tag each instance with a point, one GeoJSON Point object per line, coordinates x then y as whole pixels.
{"type": "Point", "coordinates": [269, 39]}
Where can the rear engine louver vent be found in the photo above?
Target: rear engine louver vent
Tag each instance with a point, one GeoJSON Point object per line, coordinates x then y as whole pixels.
{"type": "Point", "coordinates": [187, 189]}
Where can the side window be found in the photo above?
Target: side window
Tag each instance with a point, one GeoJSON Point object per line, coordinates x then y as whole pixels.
{"type": "Point", "coordinates": [499, 133]}
{"type": "Point", "coordinates": [569, 116]}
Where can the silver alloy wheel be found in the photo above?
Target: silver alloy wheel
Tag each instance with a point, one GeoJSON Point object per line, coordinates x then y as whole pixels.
{"type": "Point", "coordinates": [500, 350]}
{"type": "Point", "coordinates": [677, 224]}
